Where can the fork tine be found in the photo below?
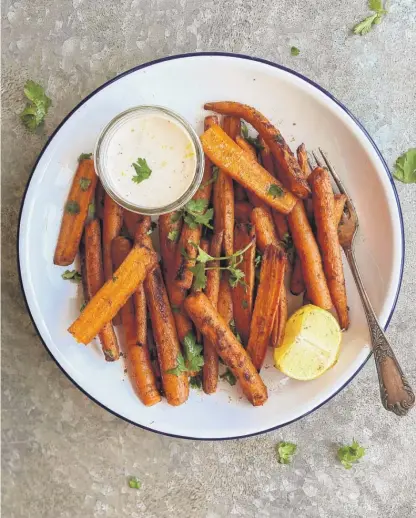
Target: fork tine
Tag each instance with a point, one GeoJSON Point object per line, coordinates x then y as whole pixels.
{"type": "Point", "coordinates": [336, 178]}
{"type": "Point", "coordinates": [311, 160]}
{"type": "Point", "coordinates": [317, 159]}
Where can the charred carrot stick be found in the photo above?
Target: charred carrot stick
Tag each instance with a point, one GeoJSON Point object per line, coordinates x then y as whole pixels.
{"type": "Point", "coordinates": [113, 295]}
{"type": "Point", "coordinates": [223, 199]}
{"type": "Point", "coordinates": [75, 213]}
{"type": "Point", "coordinates": [99, 199]}
{"type": "Point", "coordinates": [208, 320]}
{"type": "Point", "coordinates": [310, 257]}
{"type": "Point", "coordinates": [133, 318]}
{"type": "Point", "coordinates": [94, 279]}
{"type": "Point", "coordinates": [327, 234]}
{"type": "Point", "coordinates": [266, 157]}
{"type": "Point", "coordinates": [170, 226]}
{"type": "Point", "coordinates": [270, 287]}
{"type": "Point", "coordinates": [238, 164]}
{"type": "Point", "coordinates": [265, 231]}
{"type": "Point", "coordinates": [130, 220]}
{"type": "Point", "coordinates": [288, 166]}
{"type": "Point", "coordinates": [225, 299]}
{"type": "Point", "coordinates": [339, 204]}
{"type": "Point", "coordinates": [211, 363]}
{"type": "Point", "coordinates": [242, 212]}
{"type": "Point", "coordinates": [243, 294]}
{"type": "Point", "coordinates": [280, 222]}
{"type": "Point", "coordinates": [303, 160]}
{"type": "Point", "coordinates": [175, 384]}
{"type": "Point", "coordinates": [143, 228]}
{"type": "Point", "coordinates": [239, 193]}
{"type": "Point", "coordinates": [297, 284]}
{"type": "Point", "coordinates": [280, 320]}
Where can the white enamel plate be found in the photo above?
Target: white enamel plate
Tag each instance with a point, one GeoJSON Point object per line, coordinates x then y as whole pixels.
{"type": "Point", "coordinates": [304, 112]}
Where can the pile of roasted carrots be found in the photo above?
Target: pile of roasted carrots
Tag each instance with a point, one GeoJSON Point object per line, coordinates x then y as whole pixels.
{"type": "Point", "coordinates": [265, 200]}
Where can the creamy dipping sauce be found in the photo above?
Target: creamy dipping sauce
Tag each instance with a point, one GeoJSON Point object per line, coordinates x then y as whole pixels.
{"type": "Point", "coordinates": [168, 151]}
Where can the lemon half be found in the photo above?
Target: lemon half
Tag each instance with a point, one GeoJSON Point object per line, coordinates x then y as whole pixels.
{"type": "Point", "coordinates": [311, 344]}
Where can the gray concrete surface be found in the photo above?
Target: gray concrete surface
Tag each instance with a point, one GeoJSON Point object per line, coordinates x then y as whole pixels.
{"type": "Point", "coordinates": [63, 456]}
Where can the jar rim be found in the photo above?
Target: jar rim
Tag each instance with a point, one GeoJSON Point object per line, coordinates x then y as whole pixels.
{"type": "Point", "coordinates": [127, 204]}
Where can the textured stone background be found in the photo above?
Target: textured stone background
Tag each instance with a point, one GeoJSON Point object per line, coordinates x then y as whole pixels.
{"type": "Point", "coordinates": [63, 456]}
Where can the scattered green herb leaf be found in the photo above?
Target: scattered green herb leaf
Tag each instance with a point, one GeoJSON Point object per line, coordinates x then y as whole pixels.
{"type": "Point", "coordinates": [134, 483]}
{"type": "Point", "coordinates": [173, 235]}
{"type": "Point", "coordinates": [71, 275]}
{"type": "Point", "coordinates": [347, 455]}
{"type": "Point", "coordinates": [153, 227]}
{"type": "Point", "coordinates": [275, 191]}
{"type": "Point", "coordinates": [251, 140]}
{"type": "Point", "coordinates": [84, 156]}
{"type": "Point", "coordinates": [405, 170]}
{"type": "Point", "coordinates": [180, 366]}
{"type": "Point", "coordinates": [37, 107]}
{"type": "Point", "coordinates": [294, 51]}
{"type": "Point", "coordinates": [193, 353]}
{"type": "Point", "coordinates": [91, 210]}
{"type": "Point", "coordinates": [84, 183]}
{"type": "Point", "coordinates": [285, 452]}
{"type": "Point", "coordinates": [257, 260]}
{"type": "Point", "coordinates": [72, 207]}
{"type": "Point", "coordinates": [234, 330]}
{"type": "Point", "coordinates": [195, 382]}
{"type": "Point", "coordinates": [213, 179]}
{"type": "Point", "coordinates": [200, 279]}
{"type": "Point", "coordinates": [143, 171]}
{"type": "Point", "coordinates": [244, 304]}
{"type": "Point", "coordinates": [229, 376]}
{"type": "Point", "coordinates": [365, 26]}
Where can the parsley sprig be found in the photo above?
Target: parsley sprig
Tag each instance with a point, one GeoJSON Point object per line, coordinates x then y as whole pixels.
{"type": "Point", "coordinates": [142, 170]}
{"type": "Point", "coordinates": [285, 451]}
{"type": "Point", "coordinates": [195, 213]}
{"type": "Point", "coordinates": [37, 106]}
{"type": "Point", "coordinates": [347, 455]}
{"type": "Point", "coordinates": [405, 170]}
{"type": "Point", "coordinates": [200, 268]}
{"type": "Point", "coordinates": [365, 26]}
{"type": "Point", "coordinates": [193, 360]}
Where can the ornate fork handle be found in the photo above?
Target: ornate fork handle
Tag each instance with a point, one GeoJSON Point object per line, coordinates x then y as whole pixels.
{"type": "Point", "coordinates": [396, 393]}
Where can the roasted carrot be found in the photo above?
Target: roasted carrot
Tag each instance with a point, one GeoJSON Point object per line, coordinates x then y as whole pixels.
{"type": "Point", "coordinates": [280, 320]}
{"type": "Point", "coordinates": [175, 385]}
{"type": "Point", "coordinates": [133, 319]}
{"type": "Point", "coordinates": [94, 279]}
{"type": "Point", "coordinates": [223, 197]}
{"type": "Point", "coordinates": [303, 160]}
{"type": "Point", "coordinates": [113, 295]}
{"type": "Point", "coordinates": [243, 294]}
{"type": "Point", "coordinates": [143, 228]}
{"type": "Point", "coordinates": [246, 146]}
{"type": "Point", "coordinates": [242, 212]}
{"type": "Point", "coordinates": [297, 284]}
{"type": "Point", "coordinates": [75, 213]}
{"type": "Point", "coordinates": [265, 231]}
{"type": "Point", "coordinates": [131, 220]}
{"type": "Point", "coordinates": [99, 199]}
{"type": "Point", "coordinates": [177, 295]}
{"type": "Point", "coordinates": [339, 204]}
{"type": "Point", "coordinates": [239, 193]}
{"type": "Point", "coordinates": [280, 222]}
{"type": "Point", "coordinates": [211, 363]}
{"type": "Point", "coordinates": [267, 158]}
{"type": "Point", "coordinates": [327, 234]}
{"type": "Point", "coordinates": [169, 231]}
{"type": "Point", "coordinates": [270, 287]}
{"type": "Point", "coordinates": [238, 164]}
{"type": "Point", "coordinates": [310, 257]}
{"type": "Point", "coordinates": [289, 169]}
{"type": "Point", "coordinates": [215, 329]}
{"type": "Point", "coordinates": [225, 299]}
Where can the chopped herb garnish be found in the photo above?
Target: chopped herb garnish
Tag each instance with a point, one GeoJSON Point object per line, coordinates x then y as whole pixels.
{"type": "Point", "coordinates": [229, 376]}
{"type": "Point", "coordinates": [180, 366]}
{"type": "Point", "coordinates": [285, 452]}
{"type": "Point", "coordinates": [287, 243]}
{"type": "Point", "coordinates": [173, 235]}
{"type": "Point", "coordinates": [294, 51]}
{"type": "Point", "coordinates": [134, 483]}
{"type": "Point", "coordinates": [365, 26]}
{"type": "Point", "coordinates": [72, 207]}
{"type": "Point", "coordinates": [275, 191]}
{"type": "Point", "coordinates": [251, 140]}
{"type": "Point", "coordinates": [244, 304]}
{"type": "Point", "coordinates": [350, 454]}
{"type": "Point", "coordinates": [153, 227]}
{"type": "Point", "coordinates": [36, 109]}
{"type": "Point", "coordinates": [143, 171]}
{"type": "Point", "coordinates": [405, 170]}
{"type": "Point", "coordinates": [193, 354]}
{"type": "Point", "coordinates": [213, 179]}
{"type": "Point", "coordinates": [195, 213]}
{"type": "Point", "coordinates": [257, 260]}
{"type": "Point", "coordinates": [71, 275]}
{"type": "Point", "coordinates": [84, 156]}
{"type": "Point", "coordinates": [234, 330]}
{"type": "Point", "coordinates": [84, 183]}
{"type": "Point", "coordinates": [195, 382]}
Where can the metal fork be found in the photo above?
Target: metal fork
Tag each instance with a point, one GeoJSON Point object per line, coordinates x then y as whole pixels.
{"type": "Point", "coordinates": [396, 394]}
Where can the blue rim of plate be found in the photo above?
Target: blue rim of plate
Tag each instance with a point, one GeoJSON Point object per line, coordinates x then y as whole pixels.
{"type": "Point", "coordinates": [237, 56]}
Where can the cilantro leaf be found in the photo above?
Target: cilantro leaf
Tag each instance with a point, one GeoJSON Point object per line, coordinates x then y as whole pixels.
{"type": "Point", "coordinates": [405, 170]}
{"type": "Point", "coordinates": [213, 179]}
{"type": "Point", "coordinates": [193, 353]}
{"type": "Point", "coordinates": [234, 330]}
{"type": "Point", "coordinates": [72, 207]}
{"type": "Point", "coordinates": [236, 276]}
{"type": "Point", "coordinates": [195, 213]}
{"type": "Point", "coordinates": [294, 51]}
{"type": "Point", "coordinates": [376, 6]}
{"type": "Point", "coordinates": [257, 260]}
{"type": "Point", "coordinates": [229, 376]}
{"type": "Point", "coordinates": [176, 216]}
{"type": "Point", "coordinates": [84, 183]}
{"type": "Point", "coordinates": [347, 455]}
{"type": "Point", "coordinates": [275, 191]}
{"type": "Point", "coordinates": [173, 235]}
{"type": "Point", "coordinates": [195, 382]}
{"type": "Point", "coordinates": [84, 156]}
{"type": "Point", "coordinates": [71, 275]}
{"type": "Point", "coordinates": [37, 107]}
{"type": "Point", "coordinates": [365, 26]}
{"type": "Point", "coordinates": [143, 171]}
{"type": "Point", "coordinates": [287, 243]}
{"type": "Point", "coordinates": [251, 140]}
{"type": "Point", "coordinates": [285, 452]}
{"type": "Point", "coordinates": [91, 210]}
{"type": "Point", "coordinates": [180, 366]}
{"type": "Point", "coordinates": [197, 206]}
{"type": "Point", "coordinates": [134, 483]}
{"type": "Point", "coordinates": [200, 278]}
